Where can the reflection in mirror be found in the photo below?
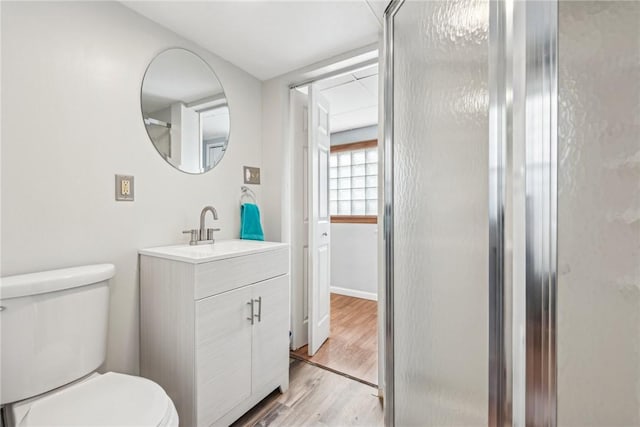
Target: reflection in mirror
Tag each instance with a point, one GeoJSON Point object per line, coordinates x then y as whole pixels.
{"type": "Point", "coordinates": [185, 111]}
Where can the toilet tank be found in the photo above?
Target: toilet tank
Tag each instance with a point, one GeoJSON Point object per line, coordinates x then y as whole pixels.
{"type": "Point", "coordinates": [53, 328]}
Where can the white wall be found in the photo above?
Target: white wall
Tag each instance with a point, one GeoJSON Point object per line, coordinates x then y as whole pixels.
{"type": "Point", "coordinates": [355, 135]}
{"type": "Point", "coordinates": [190, 139]}
{"type": "Point", "coordinates": [354, 251]}
{"type": "Point", "coordinates": [71, 76]}
{"type": "Point", "coordinates": [354, 260]}
{"type": "Point", "coordinates": [275, 128]}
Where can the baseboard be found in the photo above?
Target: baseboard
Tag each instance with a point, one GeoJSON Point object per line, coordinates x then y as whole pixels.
{"type": "Point", "coordinates": [354, 293]}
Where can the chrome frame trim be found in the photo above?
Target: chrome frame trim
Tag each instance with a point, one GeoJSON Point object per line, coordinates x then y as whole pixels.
{"type": "Point", "coordinates": [536, 135]}
{"type": "Point", "coordinates": [389, 371]}
{"type": "Point", "coordinates": [336, 73]}
{"type": "Point", "coordinates": [500, 213]}
{"type": "Point", "coordinates": [540, 143]}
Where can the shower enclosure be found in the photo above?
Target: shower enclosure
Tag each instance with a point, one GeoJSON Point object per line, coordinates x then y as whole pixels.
{"type": "Point", "coordinates": [512, 212]}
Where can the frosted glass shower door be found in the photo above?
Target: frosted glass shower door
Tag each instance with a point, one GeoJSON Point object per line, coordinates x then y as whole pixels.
{"type": "Point", "coordinates": [440, 226]}
{"type": "Point", "coordinates": [599, 213]}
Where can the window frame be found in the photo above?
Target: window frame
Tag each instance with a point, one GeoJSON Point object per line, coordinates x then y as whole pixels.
{"type": "Point", "coordinates": [355, 219]}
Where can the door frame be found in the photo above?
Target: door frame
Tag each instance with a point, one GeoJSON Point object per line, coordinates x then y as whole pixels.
{"type": "Point", "coordinates": [346, 64]}
{"type": "Point", "coordinates": [298, 235]}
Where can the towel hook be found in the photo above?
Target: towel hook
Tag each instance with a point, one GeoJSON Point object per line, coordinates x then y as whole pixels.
{"type": "Point", "coordinates": [247, 192]}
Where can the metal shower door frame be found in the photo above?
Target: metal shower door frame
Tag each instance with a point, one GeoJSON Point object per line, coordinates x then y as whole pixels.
{"type": "Point", "coordinates": [522, 219]}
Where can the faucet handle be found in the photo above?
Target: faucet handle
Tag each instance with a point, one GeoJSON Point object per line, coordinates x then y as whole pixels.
{"type": "Point", "coordinates": [194, 236]}
{"type": "Point", "coordinates": [210, 233]}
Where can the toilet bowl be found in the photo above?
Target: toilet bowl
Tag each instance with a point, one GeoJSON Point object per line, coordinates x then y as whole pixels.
{"type": "Point", "coordinates": [54, 327]}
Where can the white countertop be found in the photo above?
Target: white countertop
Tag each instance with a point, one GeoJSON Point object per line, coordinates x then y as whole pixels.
{"type": "Point", "coordinates": [221, 249]}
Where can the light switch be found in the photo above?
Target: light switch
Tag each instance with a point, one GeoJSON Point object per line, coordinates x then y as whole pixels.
{"type": "Point", "coordinates": [124, 188]}
{"type": "Point", "coordinates": [251, 175]}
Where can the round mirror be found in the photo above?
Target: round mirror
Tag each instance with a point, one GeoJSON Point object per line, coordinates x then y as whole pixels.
{"type": "Point", "coordinates": [185, 111]}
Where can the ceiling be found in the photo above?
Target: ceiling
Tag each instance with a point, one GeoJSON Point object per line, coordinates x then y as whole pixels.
{"type": "Point", "coordinates": [353, 99]}
{"type": "Point", "coordinates": [270, 38]}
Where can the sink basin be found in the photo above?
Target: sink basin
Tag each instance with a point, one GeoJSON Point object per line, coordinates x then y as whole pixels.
{"type": "Point", "coordinates": [221, 249]}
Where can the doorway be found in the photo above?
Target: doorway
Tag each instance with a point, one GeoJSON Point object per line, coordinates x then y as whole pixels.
{"type": "Point", "coordinates": [349, 346]}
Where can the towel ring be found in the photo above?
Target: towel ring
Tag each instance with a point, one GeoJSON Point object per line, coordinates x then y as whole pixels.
{"type": "Point", "coordinates": [246, 192]}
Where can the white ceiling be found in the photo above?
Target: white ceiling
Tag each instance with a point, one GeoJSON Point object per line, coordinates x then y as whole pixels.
{"type": "Point", "coordinates": [269, 38]}
{"type": "Point", "coordinates": [353, 99]}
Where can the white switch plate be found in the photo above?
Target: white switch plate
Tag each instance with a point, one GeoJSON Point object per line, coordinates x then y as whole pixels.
{"type": "Point", "coordinates": [124, 188]}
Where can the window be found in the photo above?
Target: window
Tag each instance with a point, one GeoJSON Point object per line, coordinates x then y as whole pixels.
{"type": "Point", "coordinates": [353, 182]}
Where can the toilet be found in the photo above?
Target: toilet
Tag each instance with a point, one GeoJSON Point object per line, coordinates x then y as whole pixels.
{"type": "Point", "coordinates": [53, 331]}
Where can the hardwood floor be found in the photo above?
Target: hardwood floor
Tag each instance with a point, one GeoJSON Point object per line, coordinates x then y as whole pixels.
{"type": "Point", "coordinates": [317, 397]}
{"type": "Point", "coordinates": [352, 347]}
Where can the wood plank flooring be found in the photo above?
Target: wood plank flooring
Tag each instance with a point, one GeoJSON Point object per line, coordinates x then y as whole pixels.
{"type": "Point", "coordinates": [352, 347]}
{"type": "Point", "coordinates": [317, 397]}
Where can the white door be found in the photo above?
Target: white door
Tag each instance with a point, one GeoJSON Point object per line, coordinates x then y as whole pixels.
{"type": "Point", "coordinates": [299, 119]}
{"type": "Point", "coordinates": [320, 220]}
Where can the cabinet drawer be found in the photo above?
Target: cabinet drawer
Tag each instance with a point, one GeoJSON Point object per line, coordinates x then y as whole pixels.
{"type": "Point", "coordinates": [223, 275]}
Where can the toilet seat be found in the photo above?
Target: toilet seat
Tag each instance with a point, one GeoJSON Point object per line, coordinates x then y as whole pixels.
{"type": "Point", "coordinates": [110, 399]}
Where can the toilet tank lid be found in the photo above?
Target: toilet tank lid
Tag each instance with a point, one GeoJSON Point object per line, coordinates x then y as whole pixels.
{"type": "Point", "coordinates": [54, 280]}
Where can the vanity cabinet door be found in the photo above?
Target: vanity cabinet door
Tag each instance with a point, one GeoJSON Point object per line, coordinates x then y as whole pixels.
{"type": "Point", "coordinates": [223, 356]}
{"type": "Point", "coordinates": [270, 352]}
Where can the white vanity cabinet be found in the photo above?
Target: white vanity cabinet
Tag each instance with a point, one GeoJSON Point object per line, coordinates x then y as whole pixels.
{"type": "Point", "coordinates": [214, 327]}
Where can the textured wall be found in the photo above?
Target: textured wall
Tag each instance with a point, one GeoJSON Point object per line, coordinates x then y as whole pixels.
{"type": "Point", "coordinates": [441, 133]}
{"type": "Point", "coordinates": [71, 77]}
{"type": "Point", "coordinates": [599, 214]}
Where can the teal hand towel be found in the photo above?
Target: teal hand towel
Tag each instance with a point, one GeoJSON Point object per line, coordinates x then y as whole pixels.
{"type": "Point", "coordinates": [250, 228]}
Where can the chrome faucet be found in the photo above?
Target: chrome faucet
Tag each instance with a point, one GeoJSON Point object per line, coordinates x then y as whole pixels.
{"type": "Point", "coordinates": [204, 235]}
{"type": "Point", "coordinates": [207, 233]}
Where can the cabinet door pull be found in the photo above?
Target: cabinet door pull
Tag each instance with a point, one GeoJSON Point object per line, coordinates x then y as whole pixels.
{"type": "Point", "coordinates": [252, 315]}
{"type": "Point", "coordinates": [259, 315]}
